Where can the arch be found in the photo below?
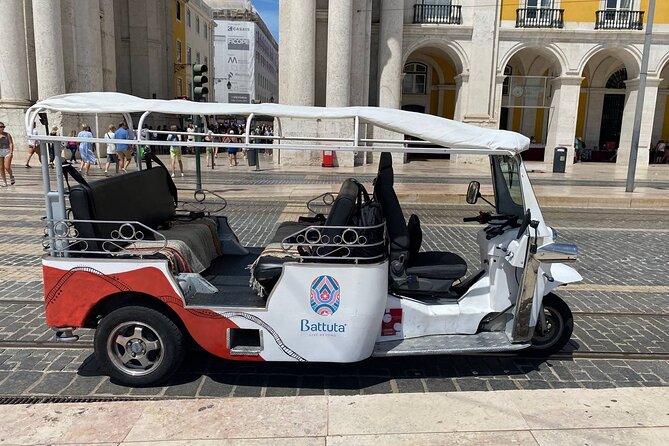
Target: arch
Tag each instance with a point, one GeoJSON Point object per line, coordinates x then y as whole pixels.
{"type": "Point", "coordinates": [550, 52]}
{"type": "Point", "coordinates": [452, 50]}
{"type": "Point", "coordinates": [664, 62]}
{"type": "Point", "coordinates": [629, 55]}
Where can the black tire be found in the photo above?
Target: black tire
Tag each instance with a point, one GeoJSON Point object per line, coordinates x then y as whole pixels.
{"type": "Point", "coordinates": [139, 346]}
{"type": "Point", "coordinates": [561, 325]}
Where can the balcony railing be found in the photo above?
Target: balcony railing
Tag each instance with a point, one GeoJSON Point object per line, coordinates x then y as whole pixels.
{"type": "Point", "coordinates": [615, 19]}
{"type": "Point", "coordinates": [449, 14]}
{"type": "Point", "coordinates": [539, 18]}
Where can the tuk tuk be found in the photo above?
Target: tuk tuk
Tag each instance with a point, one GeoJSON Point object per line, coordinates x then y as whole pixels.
{"type": "Point", "coordinates": [152, 272]}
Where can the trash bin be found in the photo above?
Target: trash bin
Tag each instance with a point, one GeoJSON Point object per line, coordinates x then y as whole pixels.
{"type": "Point", "coordinates": [328, 158]}
{"type": "Point", "coordinates": [560, 160]}
{"type": "Point", "coordinates": [252, 156]}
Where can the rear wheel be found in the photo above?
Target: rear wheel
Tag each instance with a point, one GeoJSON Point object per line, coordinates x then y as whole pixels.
{"type": "Point", "coordinates": [139, 346]}
{"type": "Point", "coordinates": [558, 328]}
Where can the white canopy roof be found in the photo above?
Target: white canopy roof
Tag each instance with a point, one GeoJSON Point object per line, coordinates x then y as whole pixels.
{"type": "Point", "coordinates": [440, 131]}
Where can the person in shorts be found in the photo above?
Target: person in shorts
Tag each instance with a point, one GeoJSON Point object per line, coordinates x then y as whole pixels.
{"type": "Point", "coordinates": [33, 146]}
{"type": "Point", "coordinates": [232, 151]}
{"type": "Point", "coordinates": [123, 150]}
{"type": "Point", "coordinates": [175, 151]}
{"type": "Point", "coordinates": [6, 155]}
{"type": "Point", "coordinates": [112, 158]}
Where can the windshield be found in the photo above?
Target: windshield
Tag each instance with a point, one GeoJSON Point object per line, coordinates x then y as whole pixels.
{"type": "Point", "coordinates": [508, 192]}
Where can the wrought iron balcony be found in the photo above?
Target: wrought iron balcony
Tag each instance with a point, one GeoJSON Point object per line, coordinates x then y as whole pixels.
{"type": "Point", "coordinates": [616, 19]}
{"type": "Point", "coordinates": [449, 14]}
{"type": "Point", "coordinates": [539, 18]}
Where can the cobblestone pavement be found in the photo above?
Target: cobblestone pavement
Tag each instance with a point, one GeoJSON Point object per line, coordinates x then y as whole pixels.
{"type": "Point", "coordinates": [622, 307]}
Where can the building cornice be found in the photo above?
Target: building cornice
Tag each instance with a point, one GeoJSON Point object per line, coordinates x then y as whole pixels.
{"type": "Point", "coordinates": [578, 36]}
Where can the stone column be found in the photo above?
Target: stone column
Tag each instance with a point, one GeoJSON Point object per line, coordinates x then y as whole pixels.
{"type": "Point", "coordinates": [338, 84]}
{"type": "Point", "coordinates": [562, 123]}
{"type": "Point", "coordinates": [89, 46]}
{"type": "Point", "coordinates": [14, 83]}
{"type": "Point", "coordinates": [49, 48]}
{"type": "Point", "coordinates": [390, 53]}
{"type": "Point", "coordinates": [390, 64]}
{"type": "Point", "coordinates": [297, 46]}
{"type": "Point", "coordinates": [461, 85]}
{"type": "Point", "coordinates": [647, 118]}
{"type": "Point", "coordinates": [481, 73]}
{"type": "Point", "coordinates": [359, 55]}
{"type": "Point", "coordinates": [297, 73]}
{"type": "Point", "coordinates": [108, 45]}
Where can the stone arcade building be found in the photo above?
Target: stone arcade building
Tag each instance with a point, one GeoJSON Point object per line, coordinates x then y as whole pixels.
{"type": "Point", "coordinates": [52, 47]}
{"type": "Point", "coordinates": [555, 70]}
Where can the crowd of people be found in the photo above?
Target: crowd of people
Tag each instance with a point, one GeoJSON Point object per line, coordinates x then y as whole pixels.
{"type": "Point", "coordinates": [85, 154]}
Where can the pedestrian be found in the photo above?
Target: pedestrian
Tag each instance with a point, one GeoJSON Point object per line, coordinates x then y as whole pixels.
{"type": "Point", "coordinates": [33, 146]}
{"type": "Point", "coordinates": [209, 150]}
{"type": "Point", "coordinates": [111, 150]}
{"type": "Point", "coordinates": [72, 147]}
{"type": "Point", "coordinates": [86, 149]}
{"type": "Point", "coordinates": [52, 146]}
{"type": "Point", "coordinates": [122, 150]}
{"type": "Point", "coordinates": [175, 151]}
{"type": "Point", "coordinates": [232, 151]}
{"type": "Point", "coordinates": [6, 155]}
{"type": "Point", "coordinates": [660, 149]}
{"type": "Point", "coordinates": [190, 128]}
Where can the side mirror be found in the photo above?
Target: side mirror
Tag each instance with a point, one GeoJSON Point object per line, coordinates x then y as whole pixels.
{"type": "Point", "coordinates": [473, 192]}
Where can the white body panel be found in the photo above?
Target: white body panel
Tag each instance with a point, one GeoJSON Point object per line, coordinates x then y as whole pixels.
{"type": "Point", "coordinates": [347, 335]}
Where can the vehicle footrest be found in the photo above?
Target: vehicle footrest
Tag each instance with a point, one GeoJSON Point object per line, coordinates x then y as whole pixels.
{"type": "Point", "coordinates": [448, 344]}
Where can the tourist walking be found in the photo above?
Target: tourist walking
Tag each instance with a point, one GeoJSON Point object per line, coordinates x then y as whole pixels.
{"type": "Point", "coordinates": [72, 146]}
{"type": "Point", "coordinates": [33, 147]}
{"type": "Point", "coordinates": [232, 151]}
{"type": "Point", "coordinates": [51, 145]}
{"type": "Point", "coordinates": [175, 152]}
{"type": "Point", "coordinates": [111, 150]}
{"type": "Point", "coordinates": [86, 149]}
{"type": "Point", "coordinates": [122, 150]}
{"type": "Point", "coordinates": [6, 155]}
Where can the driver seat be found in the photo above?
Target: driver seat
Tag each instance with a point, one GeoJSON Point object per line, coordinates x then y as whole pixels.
{"type": "Point", "coordinates": [411, 271]}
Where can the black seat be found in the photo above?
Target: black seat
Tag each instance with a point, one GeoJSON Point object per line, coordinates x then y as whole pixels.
{"type": "Point", "coordinates": [267, 269]}
{"type": "Point", "coordinates": [410, 270]}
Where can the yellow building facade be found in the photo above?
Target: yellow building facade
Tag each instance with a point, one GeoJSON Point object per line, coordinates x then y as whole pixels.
{"type": "Point", "coordinates": [179, 48]}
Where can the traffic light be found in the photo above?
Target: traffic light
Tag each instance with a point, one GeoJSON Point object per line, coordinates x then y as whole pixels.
{"type": "Point", "coordinates": [199, 81]}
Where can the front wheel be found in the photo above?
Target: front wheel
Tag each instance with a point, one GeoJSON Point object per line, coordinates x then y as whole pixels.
{"type": "Point", "coordinates": [559, 327]}
{"type": "Point", "coordinates": [139, 346]}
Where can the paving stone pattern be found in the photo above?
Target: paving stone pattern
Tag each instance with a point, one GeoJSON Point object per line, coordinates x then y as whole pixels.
{"type": "Point", "coordinates": [76, 373]}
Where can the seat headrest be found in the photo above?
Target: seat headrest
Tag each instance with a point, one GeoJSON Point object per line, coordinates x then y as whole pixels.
{"type": "Point", "coordinates": [385, 162]}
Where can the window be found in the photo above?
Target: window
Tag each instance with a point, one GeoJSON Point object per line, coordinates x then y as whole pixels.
{"type": "Point", "coordinates": [190, 90]}
{"type": "Point", "coordinates": [617, 80]}
{"type": "Point", "coordinates": [206, 60]}
{"type": "Point", "coordinates": [180, 87]}
{"type": "Point", "coordinates": [188, 56]}
{"type": "Point", "coordinates": [178, 10]}
{"type": "Point", "coordinates": [197, 57]}
{"type": "Point", "coordinates": [508, 71]}
{"type": "Point", "coordinates": [206, 32]}
{"type": "Point", "coordinates": [197, 25]}
{"type": "Point", "coordinates": [188, 17]}
{"type": "Point", "coordinates": [178, 50]}
{"type": "Point", "coordinates": [625, 5]}
{"type": "Point", "coordinates": [539, 8]}
{"type": "Point", "coordinates": [415, 78]}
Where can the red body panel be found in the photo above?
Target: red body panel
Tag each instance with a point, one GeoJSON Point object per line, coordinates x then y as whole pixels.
{"type": "Point", "coordinates": [70, 295]}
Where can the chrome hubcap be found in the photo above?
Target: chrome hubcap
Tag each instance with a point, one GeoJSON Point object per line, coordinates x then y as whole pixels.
{"type": "Point", "coordinates": [554, 327]}
{"type": "Point", "coordinates": [135, 348]}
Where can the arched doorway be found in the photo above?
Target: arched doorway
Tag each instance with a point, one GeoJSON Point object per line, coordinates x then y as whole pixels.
{"type": "Point", "coordinates": [661, 122]}
{"type": "Point", "coordinates": [605, 115]}
{"type": "Point", "coordinates": [526, 97]}
{"type": "Point", "coordinates": [429, 86]}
